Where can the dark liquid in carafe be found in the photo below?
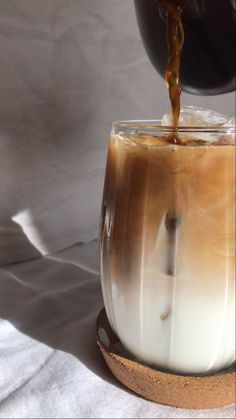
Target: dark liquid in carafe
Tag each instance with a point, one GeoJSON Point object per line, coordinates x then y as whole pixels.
{"type": "Point", "coordinates": [208, 62]}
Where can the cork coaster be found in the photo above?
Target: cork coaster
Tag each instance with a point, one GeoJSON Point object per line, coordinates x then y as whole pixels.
{"type": "Point", "coordinates": [189, 392]}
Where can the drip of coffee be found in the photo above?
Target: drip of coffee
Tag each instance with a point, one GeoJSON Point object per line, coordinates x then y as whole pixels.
{"type": "Point", "coordinates": [175, 40]}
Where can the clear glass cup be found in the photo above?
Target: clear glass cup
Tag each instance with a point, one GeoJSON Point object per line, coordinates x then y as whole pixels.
{"type": "Point", "coordinates": [167, 245]}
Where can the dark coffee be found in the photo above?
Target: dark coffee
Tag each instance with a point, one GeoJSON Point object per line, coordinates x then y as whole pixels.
{"type": "Point", "coordinates": [175, 41]}
{"type": "Point", "coordinates": [208, 63]}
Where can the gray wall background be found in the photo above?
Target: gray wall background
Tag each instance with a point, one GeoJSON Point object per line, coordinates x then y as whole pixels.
{"type": "Point", "coordinates": [68, 68]}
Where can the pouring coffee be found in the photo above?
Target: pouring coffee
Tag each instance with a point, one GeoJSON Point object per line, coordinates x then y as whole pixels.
{"type": "Point", "coordinates": [167, 236]}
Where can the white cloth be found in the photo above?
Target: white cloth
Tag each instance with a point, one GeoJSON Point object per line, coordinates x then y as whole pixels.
{"type": "Point", "coordinates": [50, 366]}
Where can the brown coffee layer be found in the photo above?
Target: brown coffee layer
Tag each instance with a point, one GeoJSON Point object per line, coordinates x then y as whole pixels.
{"type": "Point", "coordinates": [147, 185]}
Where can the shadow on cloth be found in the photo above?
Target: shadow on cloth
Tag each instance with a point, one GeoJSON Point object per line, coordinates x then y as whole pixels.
{"type": "Point", "coordinates": [56, 300]}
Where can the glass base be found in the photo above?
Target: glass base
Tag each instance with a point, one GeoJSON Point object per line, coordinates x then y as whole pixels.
{"type": "Point", "coordinates": [189, 392]}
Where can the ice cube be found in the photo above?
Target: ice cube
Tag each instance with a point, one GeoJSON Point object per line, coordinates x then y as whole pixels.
{"type": "Point", "coordinates": [193, 116]}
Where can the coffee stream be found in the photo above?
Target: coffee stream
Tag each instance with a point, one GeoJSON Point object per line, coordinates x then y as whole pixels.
{"type": "Point", "coordinates": [175, 40]}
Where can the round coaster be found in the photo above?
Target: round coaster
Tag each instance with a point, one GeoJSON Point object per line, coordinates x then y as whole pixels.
{"type": "Point", "coordinates": [189, 392]}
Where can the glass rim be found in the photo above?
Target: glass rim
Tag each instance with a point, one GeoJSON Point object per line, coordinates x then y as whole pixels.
{"type": "Point", "coordinates": [152, 126]}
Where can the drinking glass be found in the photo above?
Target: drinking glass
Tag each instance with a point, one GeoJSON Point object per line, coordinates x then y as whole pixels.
{"type": "Point", "coordinates": [167, 245]}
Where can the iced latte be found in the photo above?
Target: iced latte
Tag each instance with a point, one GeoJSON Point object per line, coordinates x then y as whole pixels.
{"type": "Point", "coordinates": [168, 246]}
